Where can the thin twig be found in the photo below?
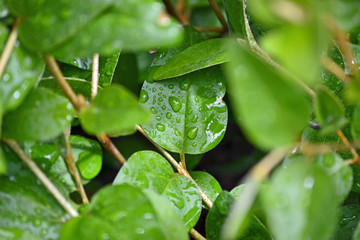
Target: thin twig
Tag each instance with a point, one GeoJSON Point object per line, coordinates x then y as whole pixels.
{"type": "Point", "coordinates": [196, 235]}
{"type": "Point", "coordinates": [182, 159]}
{"type": "Point", "coordinates": [95, 75]}
{"type": "Point", "coordinates": [110, 147]}
{"type": "Point", "coordinates": [349, 146]}
{"type": "Point", "coordinates": [60, 80]}
{"type": "Point", "coordinates": [180, 6]}
{"type": "Point", "coordinates": [241, 207]}
{"type": "Point", "coordinates": [69, 158]}
{"type": "Point", "coordinates": [9, 46]}
{"type": "Point", "coordinates": [172, 11]}
{"type": "Point", "coordinates": [218, 14]}
{"type": "Point", "coordinates": [42, 177]}
{"type": "Point", "coordinates": [209, 29]}
{"type": "Point", "coordinates": [179, 167]}
{"type": "Point", "coordinates": [334, 68]}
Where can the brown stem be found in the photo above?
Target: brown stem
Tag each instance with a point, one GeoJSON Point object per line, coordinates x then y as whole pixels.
{"type": "Point", "coordinates": [349, 146]}
{"type": "Point", "coordinates": [9, 46]}
{"type": "Point", "coordinates": [69, 158]}
{"type": "Point", "coordinates": [218, 14]}
{"type": "Point", "coordinates": [196, 235]}
{"type": "Point", "coordinates": [42, 177]}
{"type": "Point", "coordinates": [60, 80]}
{"type": "Point", "coordinates": [180, 6]}
{"type": "Point", "coordinates": [172, 11]}
{"type": "Point", "coordinates": [179, 167]}
{"type": "Point", "coordinates": [110, 147]}
{"type": "Point", "coordinates": [334, 68]}
{"type": "Point", "coordinates": [209, 29]}
{"type": "Point", "coordinates": [95, 75]}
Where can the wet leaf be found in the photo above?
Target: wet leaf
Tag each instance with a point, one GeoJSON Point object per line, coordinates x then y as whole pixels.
{"type": "Point", "coordinates": [27, 206]}
{"type": "Point", "coordinates": [127, 213]}
{"type": "Point", "coordinates": [199, 56]}
{"type": "Point", "coordinates": [107, 66]}
{"type": "Point", "coordinates": [149, 170]}
{"type": "Point", "coordinates": [3, 168]}
{"type": "Point", "coordinates": [271, 109]}
{"type": "Point", "coordinates": [114, 110]}
{"type": "Point", "coordinates": [42, 116]}
{"type": "Point", "coordinates": [355, 125]}
{"type": "Point", "coordinates": [207, 183]}
{"type": "Point", "coordinates": [23, 70]}
{"type": "Point", "coordinates": [295, 199]}
{"type": "Point", "coordinates": [348, 219]}
{"type": "Point", "coordinates": [16, 234]}
{"type": "Point", "coordinates": [190, 115]}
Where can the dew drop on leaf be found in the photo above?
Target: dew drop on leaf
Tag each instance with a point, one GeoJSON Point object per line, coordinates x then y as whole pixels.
{"type": "Point", "coordinates": [175, 103]}
{"type": "Point", "coordinates": [153, 110]}
{"type": "Point", "coordinates": [184, 86]}
{"type": "Point", "coordinates": [192, 133]}
{"type": "Point", "coordinates": [160, 127]}
{"type": "Point", "coordinates": [144, 96]}
{"type": "Point", "coordinates": [169, 115]}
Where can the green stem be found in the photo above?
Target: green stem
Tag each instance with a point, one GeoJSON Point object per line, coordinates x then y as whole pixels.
{"type": "Point", "coordinates": [196, 235]}
{"type": "Point", "coordinates": [42, 177]}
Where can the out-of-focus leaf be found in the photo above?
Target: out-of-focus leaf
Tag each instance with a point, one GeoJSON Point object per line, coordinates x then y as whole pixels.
{"type": "Point", "coordinates": [347, 13]}
{"type": "Point", "coordinates": [3, 168]}
{"type": "Point", "coordinates": [355, 125]}
{"type": "Point", "coordinates": [126, 212]}
{"type": "Point", "coordinates": [114, 111]}
{"type": "Point", "coordinates": [149, 170]}
{"type": "Point", "coordinates": [194, 58]}
{"type": "Point", "coordinates": [42, 116]}
{"type": "Point", "coordinates": [296, 198]}
{"type": "Point", "coordinates": [271, 109]}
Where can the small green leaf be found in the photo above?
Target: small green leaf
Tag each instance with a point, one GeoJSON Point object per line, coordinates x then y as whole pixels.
{"type": "Point", "coordinates": [16, 234]}
{"type": "Point", "coordinates": [3, 167]}
{"type": "Point", "coordinates": [149, 170]}
{"type": "Point", "coordinates": [190, 115]}
{"type": "Point", "coordinates": [42, 116]}
{"type": "Point", "coordinates": [125, 212]}
{"type": "Point", "coordinates": [202, 55]}
{"type": "Point", "coordinates": [271, 109]}
{"type": "Point", "coordinates": [348, 219]}
{"type": "Point", "coordinates": [113, 111]}
{"type": "Point", "coordinates": [207, 183]}
{"type": "Point", "coordinates": [295, 201]}
{"type": "Point", "coordinates": [329, 110]}
{"type": "Point", "coordinates": [27, 206]}
{"type": "Point", "coordinates": [217, 215]}
{"type": "Point", "coordinates": [235, 15]}
{"type": "Point", "coordinates": [107, 65]}
{"type": "Point", "coordinates": [356, 178]}
{"type": "Point", "coordinates": [355, 124]}
{"type": "Point", "coordinates": [22, 72]}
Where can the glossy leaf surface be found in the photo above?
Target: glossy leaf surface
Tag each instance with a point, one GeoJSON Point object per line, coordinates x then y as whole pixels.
{"type": "Point", "coordinates": [348, 219]}
{"type": "Point", "coordinates": [190, 115]}
{"type": "Point", "coordinates": [207, 183]}
{"type": "Point", "coordinates": [21, 73]}
{"type": "Point", "coordinates": [196, 57]}
{"type": "Point", "coordinates": [128, 213]}
{"type": "Point", "coordinates": [234, 12]}
{"type": "Point", "coordinates": [271, 109]}
{"type": "Point", "coordinates": [114, 110]}
{"type": "Point", "coordinates": [149, 170]}
{"type": "Point", "coordinates": [42, 116]}
{"type": "Point", "coordinates": [295, 200]}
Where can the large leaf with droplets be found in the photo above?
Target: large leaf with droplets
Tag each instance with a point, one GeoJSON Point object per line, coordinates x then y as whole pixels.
{"type": "Point", "coordinates": [149, 170]}
{"type": "Point", "coordinates": [189, 113]}
{"type": "Point", "coordinates": [126, 212]}
{"type": "Point", "coordinates": [42, 116]}
{"type": "Point", "coordinates": [196, 57]}
{"type": "Point", "coordinates": [115, 110]}
{"type": "Point", "coordinates": [271, 109]}
{"type": "Point", "coordinates": [22, 71]}
{"type": "Point", "coordinates": [296, 199]}
{"type": "Point", "coordinates": [27, 206]}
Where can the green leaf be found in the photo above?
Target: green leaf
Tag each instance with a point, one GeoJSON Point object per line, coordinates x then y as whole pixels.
{"type": "Point", "coordinates": [16, 234]}
{"type": "Point", "coordinates": [217, 215]}
{"type": "Point", "coordinates": [22, 71]}
{"type": "Point", "coordinates": [42, 116]}
{"type": "Point", "coordinates": [271, 109]}
{"type": "Point", "coordinates": [114, 110]}
{"type": "Point", "coordinates": [295, 201]}
{"type": "Point", "coordinates": [236, 21]}
{"type": "Point", "coordinates": [3, 168]}
{"type": "Point", "coordinates": [149, 170]}
{"type": "Point", "coordinates": [199, 56]}
{"type": "Point", "coordinates": [27, 206]}
{"type": "Point", "coordinates": [126, 212]}
{"type": "Point", "coordinates": [329, 110]}
{"type": "Point", "coordinates": [347, 13]}
{"type": "Point", "coordinates": [190, 115]}
{"type": "Point", "coordinates": [340, 173]}
{"type": "Point", "coordinates": [355, 124]}
{"type": "Point", "coordinates": [107, 65]}
{"type": "Point", "coordinates": [125, 28]}
{"type": "Point", "coordinates": [348, 219]}
{"type": "Point", "coordinates": [207, 183]}
{"type": "Point", "coordinates": [356, 178]}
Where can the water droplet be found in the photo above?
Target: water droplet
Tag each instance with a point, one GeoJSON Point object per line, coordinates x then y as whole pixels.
{"type": "Point", "coordinates": [163, 107]}
{"type": "Point", "coordinates": [175, 103]}
{"type": "Point", "coordinates": [189, 111]}
{"type": "Point", "coordinates": [177, 133]}
{"type": "Point", "coordinates": [140, 230]}
{"type": "Point", "coordinates": [178, 120]}
{"type": "Point", "coordinates": [197, 99]}
{"type": "Point", "coordinates": [194, 118]}
{"type": "Point", "coordinates": [161, 88]}
{"type": "Point", "coordinates": [192, 133]}
{"type": "Point", "coordinates": [201, 109]}
{"type": "Point", "coordinates": [184, 86]}
{"type": "Point", "coordinates": [194, 144]}
{"type": "Point", "coordinates": [309, 182]}
{"type": "Point", "coordinates": [144, 96]}
{"type": "Point", "coordinates": [171, 86]}
{"type": "Point", "coordinates": [36, 222]}
{"type": "Point", "coordinates": [153, 89]}
{"type": "Point", "coordinates": [160, 127]}
{"type": "Point", "coordinates": [12, 178]}
{"type": "Point", "coordinates": [158, 118]}
{"type": "Point", "coordinates": [172, 92]}
{"type": "Point", "coordinates": [160, 99]}
{"type": "Point", "coordinates": [109, 73]}
{"type": "Point", "coordinates": [169, 115]}
{"type": "Point", "coordinates": [164, 96]}
{"type": "Point", "coordinates": [16, 94]}
{"type": "Point", "coordinates": [63, 180]}
{"type": "Point", "coordinates": [6, 77]}
{"type": "Point", "coordinates": [153, 110]}
{"type": "Point", "coordinates": [154, 101]}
